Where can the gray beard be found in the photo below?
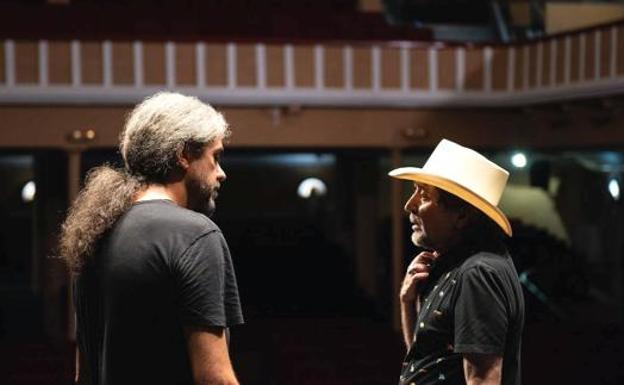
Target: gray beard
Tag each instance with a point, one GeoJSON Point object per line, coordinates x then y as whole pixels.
{"type": "Point", "coordinates": [201, 198]}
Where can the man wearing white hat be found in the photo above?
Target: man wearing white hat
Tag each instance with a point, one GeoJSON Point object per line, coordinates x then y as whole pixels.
{"type": "Point", "coordinates": [462, 309]}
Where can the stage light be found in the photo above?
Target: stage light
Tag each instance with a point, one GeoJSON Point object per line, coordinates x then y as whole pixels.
{"type": "Point", "coordinates": [29, 191]}
{"type": "Point", "coordinates": [614, 189]}
{"type": "Point", "coordinates": [519, 160]}
{"type": "Point", "coordinates": [311, 187]}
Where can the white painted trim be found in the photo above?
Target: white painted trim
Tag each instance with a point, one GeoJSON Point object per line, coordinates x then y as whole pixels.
{"type": "Point", "coordinates": [567, 60]}
{"type": "Point", "coordinates": [597, 50]}
{"type": "Point", "coordinates": [319, 67]}
{"type": "Point", "coordinates": [347, 63]}
{"type": "Point", "coordinates": [289, 66]}
{"type": "Point", "coordinates": [261, 78]}
{"type": "Point", "coordinates": [553, 63]}
{"type": "Point", "coordinates": [540, 64]}
{"type": "Point", "coordinates": [488, 55]}
{"type": "Point", "coordinates": [526, 60]}
{"type": "Point", "coordinates": [170, 64]}
{"type": "Point", "coordinates": [613, 52]}
{"type": "Point", "coordinates": [582, 58]}
{"type": "Point", "coordinates": [433, 69]}
{"type": "Point", "coordinates": [405, 68]}
{"type": "Point", "coordinates": [42, 62]}
{"type": "Point", "coordinates": [245, 96]}
{"type": "Point", "coordinates": [231, 65]}
{"type": "Point", "coordinates": [376, 68]}
{"type": "Point", "coordinates": [137, 63]}
{"type": "Point", "coordinates": [511, 68]}
{"type": "Point", "coordinates": [9, 62]}
{"type": "Point", "coordinates": [107, 63]}
{"type": "Point", "coordinates": [76, 63]}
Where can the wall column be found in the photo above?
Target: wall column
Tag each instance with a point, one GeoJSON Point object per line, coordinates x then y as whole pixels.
{"type": "Point", "coordinates": [397, 215]}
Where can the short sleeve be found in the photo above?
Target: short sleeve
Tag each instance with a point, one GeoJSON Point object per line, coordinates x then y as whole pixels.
{"type": "Point", "coordinates": [481, 318]}
{"type": "Point", "coordinates": [207, 289]}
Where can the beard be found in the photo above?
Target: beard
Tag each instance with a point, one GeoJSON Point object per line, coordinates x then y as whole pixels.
{"type": "Point", "coordinates": [421, 240]}
{"type": "Point", "coordinates": [201, 196]}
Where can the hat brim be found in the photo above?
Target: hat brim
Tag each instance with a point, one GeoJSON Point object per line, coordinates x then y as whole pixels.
{"type": "Point", "coordinates": [419, 175]}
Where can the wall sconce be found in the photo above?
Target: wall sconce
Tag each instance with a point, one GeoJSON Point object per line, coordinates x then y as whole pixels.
{"type": "Point", "coordinates": [81, 136]}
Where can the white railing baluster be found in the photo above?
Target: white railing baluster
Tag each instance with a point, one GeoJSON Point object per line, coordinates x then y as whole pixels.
{"type": "Point", "coordinates": [231, 65]}
{"type": "Point", "coordinates": [200, 65]}
{"type": "Point", "coordinates": [511, 68]}
{"type": "Point", "coordinates": [319, 67]}
{"type": "Point", "coordinates": [137, 63]}
{"type": "Point", "coordinates": [567, 60]}
{"type": "Point", "coordinates": [526, 60]}
{"type": "Point", "coordinates": [433, 69]}
{"type": "Point", "coordinates": [540, 64]}
{"type": "Point", "coordinates": [9, 62]}
{"type": "Point", "coordinates": [260, 50]}
{"type": "Point", "coordinates": [613, 53]}
{"type": "Point", "coordinates": [488, 54]}
{"type": "Point", "coordinates": [76, 63]}
{"type": "Point", "coordinates": [553, 62]}
{"type": "Point", "coordinates": [405, 68]}
{"type": "Point", "coordinates": [107, 63]}
{"type": "Point", "coordinates": [170, 64]}
{"type": "Point", "coordinates": [347, 62]}
{"type": "Point", "coordinates": [42, 60]}
{"type": "Point", "coordinates": [289, 67]}
{"type": "Point", "coordinates": [376, 68]}
{"type": "Point", "coordinates": [460, 69]}
{"type": "Point", "coordinates": [582, 57]}
{"type": "Point", "coordinates": [597, 50]}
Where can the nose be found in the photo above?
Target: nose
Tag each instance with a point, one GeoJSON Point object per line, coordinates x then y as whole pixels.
{"type": "Point", "coordinates": [221, 174]}
{"type": "Point", "coordinates": [412, 203]}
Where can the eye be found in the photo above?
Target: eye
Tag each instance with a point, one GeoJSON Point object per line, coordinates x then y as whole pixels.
{"type": "Point", "coordinates": [218, 156]}
{"type": "Point", "coordinates": [424, 195]}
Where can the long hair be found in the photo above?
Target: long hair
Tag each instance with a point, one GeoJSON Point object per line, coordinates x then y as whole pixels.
{"type": "Point", "coordinates": [156, 133]}
{"type": "Point", "coordinates": [107, 194]}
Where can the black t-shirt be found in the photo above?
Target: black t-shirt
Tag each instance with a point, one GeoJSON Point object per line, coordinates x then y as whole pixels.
{"type": "Point", "coordinates": [471, 304]}
{"type": "Point", "coordinates": [159, 269]}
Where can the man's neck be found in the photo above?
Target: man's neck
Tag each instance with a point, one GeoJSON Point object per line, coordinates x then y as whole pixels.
{"type": "Point", "coordinates": [173, 192]}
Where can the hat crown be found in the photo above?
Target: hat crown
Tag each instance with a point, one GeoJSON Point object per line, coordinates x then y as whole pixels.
{"type": "Point", "coordinates": [469, 169]}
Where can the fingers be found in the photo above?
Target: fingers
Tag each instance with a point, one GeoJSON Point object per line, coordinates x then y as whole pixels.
{"type": "Point", "coordinates": [422, 262]}
{"type": "Point", "coordinates": [416, 277]}
{"type": "Point", "coordinates": [409, 289]}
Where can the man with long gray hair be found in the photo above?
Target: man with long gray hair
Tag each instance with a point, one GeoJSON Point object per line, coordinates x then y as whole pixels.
{"type": "Point", "coordinates": [154, 284]}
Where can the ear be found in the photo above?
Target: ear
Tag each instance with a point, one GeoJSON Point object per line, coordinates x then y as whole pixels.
{"type": "Point", "coordinates": [464, 217]}
{"type": "Point", "coordinates": [182, 160]}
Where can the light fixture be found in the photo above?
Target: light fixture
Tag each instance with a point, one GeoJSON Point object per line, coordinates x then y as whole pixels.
{"type": "Point", "coordinates": [29, 191]}
{"type": "Point", "coordinates": [519, 160]}
{"type": "Point", "coordinates": [311, 187]}
{"type": "Point", "coordinates": [614, 189]}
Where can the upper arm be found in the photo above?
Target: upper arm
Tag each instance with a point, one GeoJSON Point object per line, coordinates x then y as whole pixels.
{"type": "Point", "coordinates": [483, 369]}
{"type": "Point", "coordinates": [206, 284]}
{"type": "Point", "coordinates": [209, 357]}
{"type": "Point", "coordinates": [481, 316]}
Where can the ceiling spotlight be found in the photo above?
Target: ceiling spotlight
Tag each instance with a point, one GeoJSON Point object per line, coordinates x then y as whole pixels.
{"type": "Point", "coordinates": [311, 187]}
{"type": "Point", "coordinates": [614, 189]}
{"type": "Point", "coordinates": [519, 160]}
{"type": "Point", "coordinates": [29, 191]}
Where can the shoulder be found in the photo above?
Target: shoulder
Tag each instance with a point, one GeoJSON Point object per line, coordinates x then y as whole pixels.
{"type": "Point", "coordinates": [169, 216]}
{"type": "Point", "coordinates": [486, 261]}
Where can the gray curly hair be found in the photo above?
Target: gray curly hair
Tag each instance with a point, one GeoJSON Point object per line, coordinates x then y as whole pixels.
{"type": "Point", "coordinates": [161, 127]}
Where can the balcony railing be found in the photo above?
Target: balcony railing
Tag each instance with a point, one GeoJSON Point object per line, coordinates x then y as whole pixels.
{"type": "Point", "coordinates": [589, 63]}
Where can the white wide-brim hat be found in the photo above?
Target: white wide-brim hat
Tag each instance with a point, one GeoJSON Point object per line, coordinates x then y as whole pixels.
{"type": "Point", "coordinates": [466, 174]}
